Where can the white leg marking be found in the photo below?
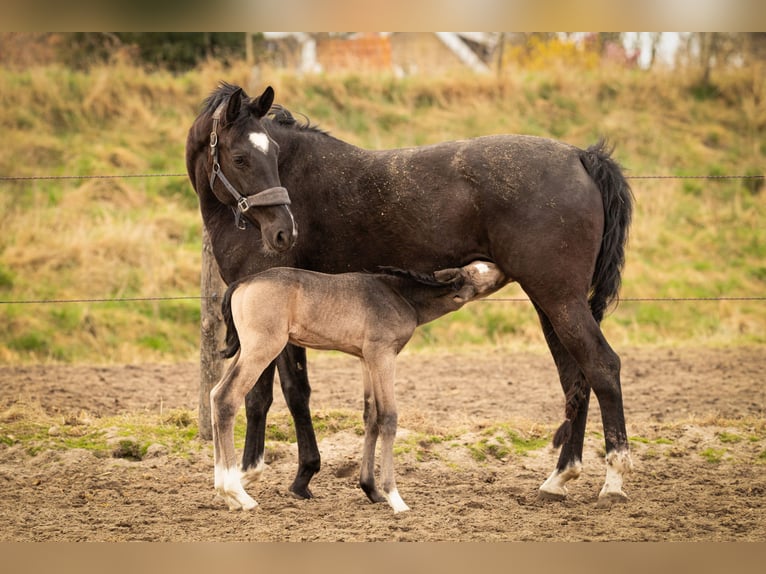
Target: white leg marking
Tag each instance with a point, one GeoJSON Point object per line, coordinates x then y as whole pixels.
{"type": "Point", "coordinates": [396, 502]}
{"type": "Point", "coordinates": [260, 141]}
{"type": "Point", "coordinates": [229, 487]}
{"type": "Point", "coordinates": [618, 465]}
{"type": "Point", "coordinates": [555, 484]}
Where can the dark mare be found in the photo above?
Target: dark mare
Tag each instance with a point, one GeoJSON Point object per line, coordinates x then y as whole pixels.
{"type": "Point", "coordinates": [551, 216]}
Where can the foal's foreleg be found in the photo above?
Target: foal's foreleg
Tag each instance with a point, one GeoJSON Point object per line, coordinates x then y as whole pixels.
{"type": "Point", "coordinates": [382, 373]}
{"type": "Point", "coordinates": [371, 431]}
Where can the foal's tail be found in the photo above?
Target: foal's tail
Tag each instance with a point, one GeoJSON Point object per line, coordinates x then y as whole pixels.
{"type": "Point", "coordinates": [618, 210]}
{"type": "Point", "coordinates": [232, 337]}
{"type": "Point", "coordinates": [607, 276]}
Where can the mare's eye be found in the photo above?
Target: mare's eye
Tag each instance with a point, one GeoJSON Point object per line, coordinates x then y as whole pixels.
{"type": "Point", "coordinates": [240, 161]}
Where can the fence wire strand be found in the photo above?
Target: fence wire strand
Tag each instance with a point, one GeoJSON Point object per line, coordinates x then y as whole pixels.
{"type": "Point", "coordinates": [487, 300]}
{"type": "Point", "coordinates": [12, 178]}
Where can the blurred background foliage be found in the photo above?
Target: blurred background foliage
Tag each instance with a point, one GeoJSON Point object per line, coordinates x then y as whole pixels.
{"type": "Point", "coordinates": [121, 104]}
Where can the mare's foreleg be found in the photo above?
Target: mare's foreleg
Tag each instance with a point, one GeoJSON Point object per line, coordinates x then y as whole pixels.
{"type": "Point", "coordinates": [257, 404]}
{"type": "Point", "coordinates": [293, 376]}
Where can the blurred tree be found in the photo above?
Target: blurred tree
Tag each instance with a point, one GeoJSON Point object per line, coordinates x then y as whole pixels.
{"type": "Point", "coordinates": [175, 51]}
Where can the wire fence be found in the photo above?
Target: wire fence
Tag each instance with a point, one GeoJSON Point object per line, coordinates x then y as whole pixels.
{"type": "Point", "coordinates": [486, 300]}
{"type": "Point", "coordinates": [16, 178]}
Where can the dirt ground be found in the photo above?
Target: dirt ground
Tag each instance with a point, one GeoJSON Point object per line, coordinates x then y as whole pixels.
{"type": "Point", "coordinates": [679, 405]}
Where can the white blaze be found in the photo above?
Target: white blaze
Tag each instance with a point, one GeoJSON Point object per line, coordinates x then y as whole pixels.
{"type": "Point", "coordinates": [260, 141]}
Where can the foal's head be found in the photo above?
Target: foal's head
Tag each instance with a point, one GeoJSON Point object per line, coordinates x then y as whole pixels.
{"type": "Point", "coordinates": [473, 281]}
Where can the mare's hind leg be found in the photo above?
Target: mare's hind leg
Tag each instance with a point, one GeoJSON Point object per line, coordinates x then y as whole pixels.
{"type": "Point", "coordinates": [580, 334]}
{"type": "Point", "coordinates": [257, 404]}
{"type": "Point", "coordinates": [577, 394]}
{"type": "Point", "coordinates": [293, 376]}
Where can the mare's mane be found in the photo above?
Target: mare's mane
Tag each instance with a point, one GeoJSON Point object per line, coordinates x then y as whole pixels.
{"type": "Point", "coordinates": [219, 95]}
{"type": "Point", "coordinates": [284, 117]}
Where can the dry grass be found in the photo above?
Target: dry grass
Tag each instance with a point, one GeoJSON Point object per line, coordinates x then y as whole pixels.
{"type": "Point", "coordinates": [141, 237]}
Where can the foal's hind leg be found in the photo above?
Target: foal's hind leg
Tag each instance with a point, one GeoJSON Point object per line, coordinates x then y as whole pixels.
{"type": "Point", "coordinates": [293, 375]}
{"type": "Point", "coordinates": [577, 393]}
{"type": "Point", "coordinates": [580, 334]}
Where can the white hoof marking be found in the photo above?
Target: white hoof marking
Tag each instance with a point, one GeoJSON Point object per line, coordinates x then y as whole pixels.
{"type": "Point", "coordinates": [396, 502]}
{"type": "Point", "coordinates": [229, 487]}
{"type": "Point", "coordinates": [618, 465]}
{"type": "Point", "coordinates": [555, 485]}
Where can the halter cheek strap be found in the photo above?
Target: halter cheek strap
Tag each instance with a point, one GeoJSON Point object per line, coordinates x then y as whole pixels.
{"type": "Point", "coordinates": [269, 197]}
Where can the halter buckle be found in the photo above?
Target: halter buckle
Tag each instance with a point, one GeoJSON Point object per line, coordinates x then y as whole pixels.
{"type": "Point", "coordinates": [243, 204]}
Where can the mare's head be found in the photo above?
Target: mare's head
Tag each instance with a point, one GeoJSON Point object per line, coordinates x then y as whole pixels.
{"type": "Point", "coordinates": [230, 154]}
{"type": "Point", "coordinates": [473, 281]}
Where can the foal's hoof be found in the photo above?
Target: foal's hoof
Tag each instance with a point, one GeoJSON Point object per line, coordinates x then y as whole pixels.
{"type": "Point", "coordinates": [607, 499]}
{"type": "Point", "coordinates": [551, 496]}
{"type": "Point", "coordinates": [238, 502]}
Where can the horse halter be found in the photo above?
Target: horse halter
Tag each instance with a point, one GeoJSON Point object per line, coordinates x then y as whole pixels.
{"type": "Point", "coordinates": [269, 197]}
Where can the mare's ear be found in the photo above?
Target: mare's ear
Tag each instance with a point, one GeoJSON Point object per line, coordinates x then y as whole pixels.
{"type": "Point", "coordinates": [261, 105]}
{"type": "Point", "coordinates": [233, 106]}
{"type": "Point", "coordinates": [448, 276]}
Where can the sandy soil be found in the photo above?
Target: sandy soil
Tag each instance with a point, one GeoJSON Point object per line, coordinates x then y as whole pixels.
{"type": "Point", "coordinates": [692, 400]}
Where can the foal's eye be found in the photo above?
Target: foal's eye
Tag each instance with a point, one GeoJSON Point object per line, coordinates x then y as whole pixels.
{"type": "Point", "coordinates": [240, 161]}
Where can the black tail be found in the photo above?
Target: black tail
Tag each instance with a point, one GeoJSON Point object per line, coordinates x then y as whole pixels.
{"type": "Point", "coordinates": [618, 210]}
{"type": "Point", "coordinates": [607, 277]}
{"type": "Point", "coordinates": [232, 338]}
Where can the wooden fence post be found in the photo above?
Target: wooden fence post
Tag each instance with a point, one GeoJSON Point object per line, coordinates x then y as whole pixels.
{"type": "Point", "coordinates": [212, 288]}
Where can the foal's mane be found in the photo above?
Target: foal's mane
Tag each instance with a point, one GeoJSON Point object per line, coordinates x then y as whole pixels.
{"type": "Point", "coordinates": [422, 278]}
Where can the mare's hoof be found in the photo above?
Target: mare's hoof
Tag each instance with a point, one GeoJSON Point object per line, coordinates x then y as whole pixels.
{"type": "Point", "coordinates": [302, 493]}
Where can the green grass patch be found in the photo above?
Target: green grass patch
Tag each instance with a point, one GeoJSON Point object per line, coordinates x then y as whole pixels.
{"type": "Point", "coordinates": [123, 436]}
{"type": "Point", "coordinates": [502, 440]}
{"type": "Point", "coordinates": [713, 455]}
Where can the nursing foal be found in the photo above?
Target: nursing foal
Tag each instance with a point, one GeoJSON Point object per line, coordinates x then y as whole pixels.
{"type": "Point", "coordinates": [371, 316]}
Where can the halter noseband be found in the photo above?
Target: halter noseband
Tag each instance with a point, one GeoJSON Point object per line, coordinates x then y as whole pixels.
{"type": "Point", "coordinates": [266, 198]}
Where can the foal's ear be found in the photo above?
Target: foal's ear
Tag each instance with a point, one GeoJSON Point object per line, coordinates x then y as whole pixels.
{"type": "Point", "coordinates": [448, 276]}
{"type": "Point", "coordinates": [233, 106]}
{"type": "Point", "coordinates": [261, 105]}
